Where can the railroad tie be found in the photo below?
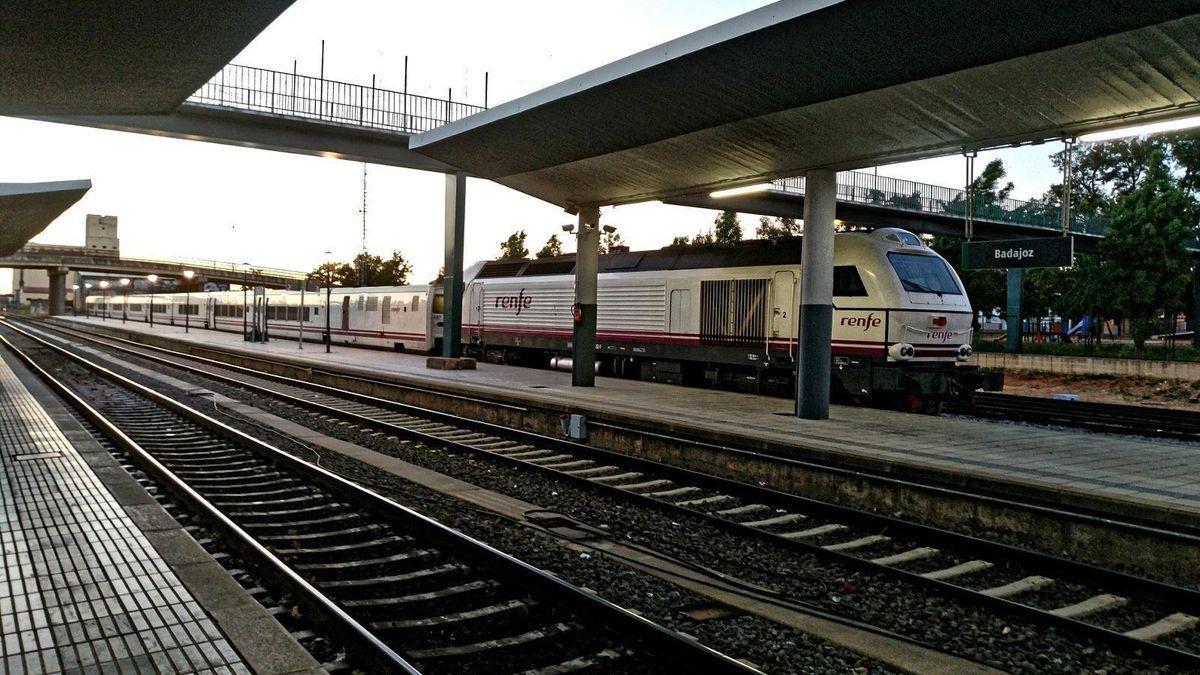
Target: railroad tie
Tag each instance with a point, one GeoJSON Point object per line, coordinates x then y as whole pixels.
{"type": "Point", "coordinates": [592, 471]}
{"type": "Point", "coordinates": [1093, 605]}
{"type": "Point", "coordinates": [599, 661]}
{"type": "Point", "coordinates": [855, 544]}
{"type": "Point", "coordinates": [919, 553]}
{"type": "Point", "coordinates": [715, 499]}
{"type": "Point", "coordinates": [775, 520]}
{"type": "Point", "coordinates": [1018, 587]}
{"type": "Point", "coordinates": [529, 454]}
{"type": "Point", "coordinates": [657, 483]}
{"type": "Point", "coordinates": [814, 531]}
{"type": "Point", "coordinates": [573, 464]}
{"type": "Point", "coordinates": [1164, 626]}
{"type": "Point", "coordinates": [962, 569]}
{"type": "Point", "coordinates": [617, 477]}
{"type": "Point", "coordinates": [737, 511]}
{"type": "Point", "coordinates": [676, 492]}
{"type": "Point", "coordinates": [552, 458]}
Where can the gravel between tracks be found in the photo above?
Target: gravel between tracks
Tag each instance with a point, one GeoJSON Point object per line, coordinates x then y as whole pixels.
{"type": "Point", "coordinates": [867, 597]}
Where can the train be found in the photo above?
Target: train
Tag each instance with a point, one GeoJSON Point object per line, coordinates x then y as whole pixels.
{"type": "Point", "coordinates": [716, 315]}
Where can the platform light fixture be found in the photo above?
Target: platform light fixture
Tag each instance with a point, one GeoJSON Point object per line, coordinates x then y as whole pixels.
{"type": "Point", "coordinates": [744, 190]}
{"type": "Point", "coordinates": [104, 299]}
{"type": "Point", "coordinates": [609, 229]}
{"type": "Point", "coordinates": [187, 300]}
{"type": "Point", "coordinates": [569, 227]}
{"type": "Point", "coordinates": [1142, 129]}
{"type": "Point", "coordinates": [125, 301]}
{"type": "Point", "coordinates": [152, 278]}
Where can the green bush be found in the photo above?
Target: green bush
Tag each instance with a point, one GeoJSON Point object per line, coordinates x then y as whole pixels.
{"type": "Point", "coordinates": [1107, 350]}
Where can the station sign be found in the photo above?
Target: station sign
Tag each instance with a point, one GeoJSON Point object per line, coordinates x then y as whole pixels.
{"type": "Point", "coordinates": [1018, 253]}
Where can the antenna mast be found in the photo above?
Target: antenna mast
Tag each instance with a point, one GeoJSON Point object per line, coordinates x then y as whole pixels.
{"type": "Point", "coordinates": [362, 263]}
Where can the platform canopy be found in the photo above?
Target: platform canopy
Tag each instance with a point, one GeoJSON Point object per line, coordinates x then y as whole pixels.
{"type": "Point", "coordinates": [804, 84]}
{"type": "Point", "coordinates": [27, 208]}
{"type": "Point", "coordinates": [119, 57]}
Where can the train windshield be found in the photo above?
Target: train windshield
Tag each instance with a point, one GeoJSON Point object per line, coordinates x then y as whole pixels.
{"type": "Point", "coordinates": [924, 273]}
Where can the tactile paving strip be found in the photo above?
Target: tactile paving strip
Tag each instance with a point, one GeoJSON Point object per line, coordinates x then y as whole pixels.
{"type": "Point", "coordinates": [81, 589]}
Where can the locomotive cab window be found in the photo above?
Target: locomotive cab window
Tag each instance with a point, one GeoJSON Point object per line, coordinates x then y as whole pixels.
{"type": "Point", "coordinates": [847, 283]}
{"type": "Point", "coordinates": [923, 273]}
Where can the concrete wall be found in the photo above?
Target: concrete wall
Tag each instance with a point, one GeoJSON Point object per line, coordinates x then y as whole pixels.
{"type": "Point", "coordinates": [1085, 365]}
{"type": "Point", "coordinates": [100, 235]}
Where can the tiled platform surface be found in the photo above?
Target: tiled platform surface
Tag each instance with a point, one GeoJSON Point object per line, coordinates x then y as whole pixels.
{"type": "Point", "coordinates": [82, 589]}
{"type": "Point", "coordinates": [1149, 477]}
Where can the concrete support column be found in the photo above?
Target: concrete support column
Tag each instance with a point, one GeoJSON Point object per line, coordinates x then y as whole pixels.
{"type": "Point", "coordinates": [58, 291]}
{"type": "Point", "coordinates": [1016, 279]}
{"type": "Point", "coordinates": [815, 352]}
{"type": "Point", "coordinates": [452, 284]}
{"type": "Point", "coordinates": [587, 237]}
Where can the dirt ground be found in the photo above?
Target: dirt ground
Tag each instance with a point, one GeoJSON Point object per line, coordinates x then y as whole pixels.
{"type": "Point", "coordinates": [1179, 394]}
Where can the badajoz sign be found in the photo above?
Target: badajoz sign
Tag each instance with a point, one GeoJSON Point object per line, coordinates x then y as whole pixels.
{"type": "Point", "coordinates": [1018, 253]}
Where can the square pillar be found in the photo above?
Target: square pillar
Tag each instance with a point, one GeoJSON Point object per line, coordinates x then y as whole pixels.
{"type": "Point", "coordinates": [452, 282]}
{"type": "Point", "coordinates": [1016, 279]}
{"type": "Point", "coordinates": [815, 354]}
{"type": "Point", "coordinates": [587, 237]}
{"type": "Point", "coordinates": [58, 291]}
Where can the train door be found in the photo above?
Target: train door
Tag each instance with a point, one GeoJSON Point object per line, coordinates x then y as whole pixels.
{"type": "Point", "coordinates": [784, 315]}
{"type": "Point", "coordinates": [681, 311]}
{"type": "Point", "coordinates": [475, 312]}
{"type": "Point", "coordinates": [345, 312]}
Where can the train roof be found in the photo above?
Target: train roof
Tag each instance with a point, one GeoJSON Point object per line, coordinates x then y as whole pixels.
{"type": "Point", "coordinates": [752, 253]}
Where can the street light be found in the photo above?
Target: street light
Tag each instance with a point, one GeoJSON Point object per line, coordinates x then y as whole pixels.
{"type": "Point", "coordinates": [86, 287]}
{"type": "Point", "coordinates": [328, 298]}
{"type": "Point", "coordinates": [152, 278]}
{"type": "Point", "coordinates": [125, 300]}
{"type": "Point", "coordinates": [104, 299]}
{"type": "Point", "coordinates": [187, 302]}
{"type": "Point", "coordinates": [245, 278]}
{"type": "Point", "coordinates": [75, 300]}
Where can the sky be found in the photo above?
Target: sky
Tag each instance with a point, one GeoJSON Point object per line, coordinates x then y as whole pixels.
{"type": "Point", "coordinates": [178, 198]}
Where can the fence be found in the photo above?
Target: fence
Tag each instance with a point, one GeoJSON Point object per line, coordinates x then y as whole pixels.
{"type": "Point", "coordinates": [907, 195]}
{"type": "Point", "coordinates": [280, 93]}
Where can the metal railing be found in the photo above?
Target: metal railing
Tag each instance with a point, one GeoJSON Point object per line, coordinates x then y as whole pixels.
{"type": "Point", "coordinates": [907, 195]}
{"type": "Point", "coordinates": [294, 95]}
{"type": "Point", "coordinates": [198, 265]}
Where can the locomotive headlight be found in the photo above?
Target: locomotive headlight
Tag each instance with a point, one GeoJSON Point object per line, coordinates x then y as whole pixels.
{"type": "Point", "coordinates": [965, 352]}
{"type": "Point", "coordinates": [902, 351]}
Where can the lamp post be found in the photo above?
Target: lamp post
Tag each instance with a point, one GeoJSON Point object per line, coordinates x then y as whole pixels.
{"type": "Point", "coordinates": [245, 277]}
{"type": "Point", "coordinates": [75, 300]}
{"type": "Point", "coordinates": [86, 287]}
{"type": "Point", "coordinates": [328, 298]}
{"type": "Point", "coordinates": [187, 301]}
{"type": "Point", "coordinates": [125, 301]}
{"type": "Point", "coordinates": [104, 299]}
{"type": "Point", "coordinates": [152, 278]}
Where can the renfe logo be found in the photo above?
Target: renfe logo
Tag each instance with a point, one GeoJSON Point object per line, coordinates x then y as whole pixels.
{"type": "Point", "coordinates": [518, 302]}
{"type": "Point", "coordinates": [864, 322]}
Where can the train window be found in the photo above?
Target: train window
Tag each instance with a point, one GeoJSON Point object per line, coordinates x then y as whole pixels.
{"type": "Point", "coordinates": [847, 282]}
{"type": "Point", "coordinates": [923, 273]}
{"type": "Point", "coordinates": [293, 313]}
{"type": "Point", "coordinates": [386, 316]}
{"type": "Point", "coordinates": [316, 311]}
{"type": "Point", "coordinates": [362, 302]}
{"type": "Point", "coordinates": [373, 304]}
{"type": "Point", "coordinates": [416, 302]}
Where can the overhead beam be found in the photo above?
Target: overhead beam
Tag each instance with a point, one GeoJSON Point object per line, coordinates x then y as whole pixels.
{"type": "Point", "coordinates": [266, 131]}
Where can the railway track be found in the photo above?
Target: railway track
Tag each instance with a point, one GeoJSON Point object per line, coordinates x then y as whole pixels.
{"type": "Point", "coordinates": [1108, 417]}
{"type": "Point", "coordinates": [411, 594]}
{"type": "Point", "coordinates": [1112, 608]}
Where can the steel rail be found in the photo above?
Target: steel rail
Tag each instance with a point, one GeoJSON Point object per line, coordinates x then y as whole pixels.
{"type": "Point", "coordinates": [1113, 418]}
{"type": "Point", "coordinates": [1183, 597]}
{"type": "Point", "coordinates": [691, 652]}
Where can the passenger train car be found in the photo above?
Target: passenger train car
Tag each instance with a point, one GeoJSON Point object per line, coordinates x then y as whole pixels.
{"type": "Point", "coordinates": [715, 315]}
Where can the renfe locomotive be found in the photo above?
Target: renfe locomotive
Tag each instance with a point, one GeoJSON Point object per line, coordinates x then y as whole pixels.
{"type": "Point", "coordinates": [714, 315]}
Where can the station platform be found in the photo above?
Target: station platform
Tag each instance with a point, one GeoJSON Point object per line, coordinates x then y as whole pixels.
{"type": "Point", "coordinates": [1156, 481]}
{"type": "Point", "coordinates": [97, 577]}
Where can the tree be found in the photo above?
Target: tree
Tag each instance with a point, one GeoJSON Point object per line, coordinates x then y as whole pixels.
{"type": "Point", "coordinates": [727, 229]}
{"type": "Point", "coordinates": [394, 271]}
{"type": "Point", "coordinates": [552, 248]}
{"type": "Point", "coordinates": [514, 248]}
{"type": "Point", "coordinates": [326, 272]}
{"type": "Point", "coordinates": [702, 238]}
{"type": "Point", "coordinates": [777, 229]}
{"type": "Point", "coordinates": [1145, 259]}
{"type": "Point", "coordinates": [680, 240]}
{"type": "Point", "coordinates": [611, 242]}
